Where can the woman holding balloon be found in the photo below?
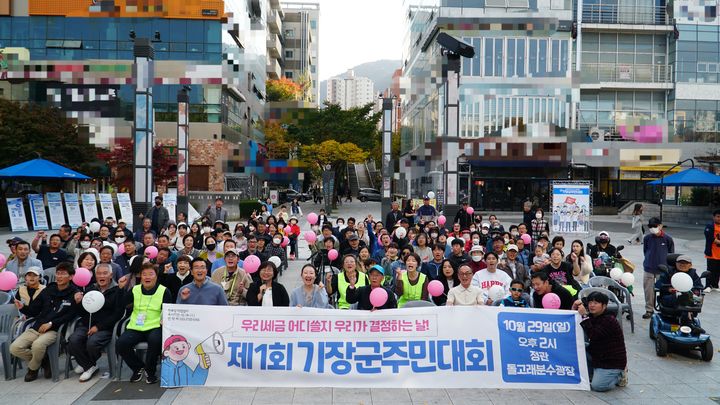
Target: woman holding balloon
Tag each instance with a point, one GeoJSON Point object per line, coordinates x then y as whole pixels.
{"type": "Point", "coordinates": [448, 279]}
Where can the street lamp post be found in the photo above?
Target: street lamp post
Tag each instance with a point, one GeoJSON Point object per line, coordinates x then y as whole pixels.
{"type": "Point", "coordinates": [183, 133]}
{"type": "Point", "coordinates": [387, 162]}
{"type": "Point", "coordinates": [662, 183]}
{"type": "Point", "coordinates": [144, 74]}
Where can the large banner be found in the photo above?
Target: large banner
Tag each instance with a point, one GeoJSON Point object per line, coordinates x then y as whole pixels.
{"type": "Point", "coordinates": [106, 206]}
{"type": "Point", "coordinates": [37, 210]}
{"type": "Point", "coordinates": [571, 208]}
{"type": "Point", "coordinates": [89, 204]}
{"type": "Point", "coordinates": [72, 206]}
{"type": "Point", "coordinates": [435, 347]}
{"type": "Point", "coordinates": [126, 211]}
{"type": "Point", "coordinates": [16, 211]}
{"type": "Point", "coordinates": [55, 206]}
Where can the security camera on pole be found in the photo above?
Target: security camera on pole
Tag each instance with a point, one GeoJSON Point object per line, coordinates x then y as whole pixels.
{"type": "Point", "coordinates": [453, 49]}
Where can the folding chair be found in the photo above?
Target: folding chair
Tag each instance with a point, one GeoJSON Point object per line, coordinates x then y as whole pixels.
{"type": "Point", "coordinates": [8, 315]}
{"type": "Point", "coordinates": [622, 293]}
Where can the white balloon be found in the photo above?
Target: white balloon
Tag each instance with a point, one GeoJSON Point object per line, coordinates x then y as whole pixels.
{"type": "Point", "coordinates": [276, 261]}
{"type": "Point", "coordinates": [92, 301]}
{"type": "Point", "coordinates": [94, 253]}
{"type": "Point", "coordinates": [496, 293]}
{"type": "Point", "coordinates": [94, 227]}
{"type": "Point", "coordinates": [627, 279]}
{"type": "Point", "coordinates": [431, 195]}
{"type": "Point", "coordinates": [449, 240]}
{"type": "Point", "coordinates": [616, 273]}
{"type": "Point", "coordinates": [400, 232]}
{"type": "Point", "coordinates": [681, 281]}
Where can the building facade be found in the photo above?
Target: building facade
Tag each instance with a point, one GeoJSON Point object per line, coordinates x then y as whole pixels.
{"type": "Point", "coordinates": [301, 27]}
{"type": "Point", "coordinates": [78, 56]}
{"type": "Point", "coordinates": [275, 54]}
{"type": "Point", "coordinates": [350, 91]}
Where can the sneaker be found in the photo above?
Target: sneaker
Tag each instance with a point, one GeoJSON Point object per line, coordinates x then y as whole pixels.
{"type": "Point", "coordinates": [31, 375]}
{"type": "Point", "coordinates": [623, 378]}
{"type": "Point", "coordinates": [79, 369]}
{"type": "Point", "coordinates": [151, 379]}
{"type": "Point", "coordinates": [137, 375]}
{"type": "Point", "coordinates": [88, 374]}
{"type": "Point", "coordinates": [708, 290]}
{"type": "Point", "coordinates": [647, 315]}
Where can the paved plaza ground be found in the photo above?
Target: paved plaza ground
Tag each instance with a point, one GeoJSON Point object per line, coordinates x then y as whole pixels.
{"type": "Point", "coordinates": [652, 380]}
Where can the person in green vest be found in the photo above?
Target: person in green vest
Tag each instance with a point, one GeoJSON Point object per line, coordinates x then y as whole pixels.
{"type": "Point", "coordinates": [145, 300]}
{"type": "Point", "coordinates": [340, 282]}
{"type": "Point", "coordinates": [411, 284]}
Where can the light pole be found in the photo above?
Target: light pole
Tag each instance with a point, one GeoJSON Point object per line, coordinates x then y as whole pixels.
{"type": "Point", "coordinates": [183, 133]}
{"type": "Point", "coordinates": [143, 132]}
{"type": "Point", "coordinates": [662, 182]}
{"type": "Point", "coordinates": [387, 162]}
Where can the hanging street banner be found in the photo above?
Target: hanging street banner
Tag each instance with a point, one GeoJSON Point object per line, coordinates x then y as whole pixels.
{"type": "Point", "coordinates": [89, 204]}
{"type": "Point", "coordinates": [106, 206]}
{"type": "Point", "coordinates": [571, 208]}
{"type": "Point", "coordinates": [433, 347]}
{"type": "Point", "coordinates": [126, 211]}
{"type": "Point", "coordinates": [18, 222]}
{"type": "Point", "coordinates": [37, 210]}
{"type": "Point", "coordinates": [55, 207]}
{"type": "Point", "coordinates": [72, 206]}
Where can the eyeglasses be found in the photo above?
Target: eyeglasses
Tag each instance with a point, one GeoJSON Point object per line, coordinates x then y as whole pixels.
{"type": "Point", "coordinates": [516, 289]}
{"type": "Point", "coordinates": [466, 274]}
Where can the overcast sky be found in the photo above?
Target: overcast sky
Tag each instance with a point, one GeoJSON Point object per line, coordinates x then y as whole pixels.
{"type": "Point", "coordinates": [358, 31]}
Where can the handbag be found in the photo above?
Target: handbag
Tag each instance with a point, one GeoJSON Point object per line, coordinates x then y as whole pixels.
{"type": "Point", "coordinates": [628, 266]}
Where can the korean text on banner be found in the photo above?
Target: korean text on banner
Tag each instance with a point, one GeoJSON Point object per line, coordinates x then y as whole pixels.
{"type": "Point", "coordinates": [126, 211]}
{"type": "Point", "coordinates": [18, 222]}
{"type": "Point", "coordinates": [106, 206]}
{"type": "Point", "coordinates": [89, 204]}
{"type": "Point", "coordinates": [37, 210]}
{"type": "Point", "coordinates": [72, 206]}
{"type": "Point", "coordinates": [433, 347]}
{"type": "Point", "coordinates": [571, 208]}
{"type": "Point", "coordinates": [55, 206]}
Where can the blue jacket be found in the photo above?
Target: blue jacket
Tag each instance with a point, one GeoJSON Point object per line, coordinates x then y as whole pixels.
{"type": "Point", "coordinates": [432, 269]}
{"type": "Point", "coordinates": [179, 374]}
{"type": "Point", "coordinates": [709, 238]}
{"type": "Point", "coordinates": [656, 249]}
{"type": "Point", "coordinates": [207, 294]}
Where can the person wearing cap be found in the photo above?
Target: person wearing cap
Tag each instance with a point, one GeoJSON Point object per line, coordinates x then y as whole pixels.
{"type": "Point", "coordinates": [293, 232]}
{"type": "Point", "coordinates": [233, 280]}
{"type": "Point", "coordinates": [606, 352]}
{"type": "Point", "coordinates": [668, 296]}
{"type": "Point", "coordinates": [202, 291]}
{"type": "Point", "coordinates": [514, 268]}
{"type": "Point", "coordinates": [712, 252]}
{"type": "Point", "coordinates": [26, 297]}
{"type": "Point", "coordinates": [457, 255]}
{"type": "Point", "coordinates": [12, 242]}
{"type": "Point", "coordinates": [22, 261]}
{"type": "Point", "coordinates": [602, 244]}
{"type": "Point", "coordinates": [361, 295]}
{"type": "Point", "coordinates": [476, 258]}
{"type": "Point", "coordinates": [158, 215]}
{"type": "Point", "coordinates": [92, 334]}
{"type": "Point", "coordinates": [353, 247]}
{"type": "Point", "coordinates": [145, 302]}
{"type": "Point", "coordinates": [656, 246]}
{"type": "Point", "coordinates": [465, 294]}
{"type": "Point", "coordinates": [174, 372]}
{"type": "Point", "coordinates": [427, 212]}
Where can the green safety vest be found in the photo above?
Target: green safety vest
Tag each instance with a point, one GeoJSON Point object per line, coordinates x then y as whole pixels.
{"type": "Point", "coordinates": [343, 286]}
{"type": "Point", "coordinates": [411, 292]}
{"type": "Point", "coordinates": [150, 305]}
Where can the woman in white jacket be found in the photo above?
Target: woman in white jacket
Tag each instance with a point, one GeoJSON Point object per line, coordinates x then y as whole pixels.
{"type": "Point", "coordinates": [637, 224]}
{"type": "Point", "coordinates": [584, 261]}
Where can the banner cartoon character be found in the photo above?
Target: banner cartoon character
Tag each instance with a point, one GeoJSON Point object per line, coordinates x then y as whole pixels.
{"type": "Point", "coordinates": [174, 370]}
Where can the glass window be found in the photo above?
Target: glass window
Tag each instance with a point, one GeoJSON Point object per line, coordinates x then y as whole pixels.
{"type": "Point", "coordinates": [626, 43]}
{"type": "Point", "coordinates": [533, 56]}
{"type": "Point", "coordinates": [564, 57]}
{"type": "Point", "coordinates": [542, 56]}
{"type": "Point", "coordinates": [477, 58]}
{"type": "Point", "coordinates": [20, 28]}
{"type": "Point", "coordinates": [178, 28]}
{"type": "Point", "coordinates": [642, 101]}
{"type": "Point", "coordinates": [520, 58]}
{"type": "Point", "coordinates": [606, 101]}
{"type": "Point", "coordinates": [708, 36]}
{"type": "Point", "coordinates": [590, 42]}
{"type": "Point", "coordinates": [55, 27]}
{"type": "Point", "coordinates": [498, 57]}
{"type": "Point", "coordinates": [608, 42]}
{"type": "Point", "coordinates": [195, 47]}
{"type": "Point", "coordinates": [489, 47]}
{"type": "Point", "coordinates": [38, 27]}
{"type": "Point", "coordinates": [511, 60]}
{"type": "Point", "coordinates": [555, 56]}
{"type": "Point", "coordinates": [213, 31]}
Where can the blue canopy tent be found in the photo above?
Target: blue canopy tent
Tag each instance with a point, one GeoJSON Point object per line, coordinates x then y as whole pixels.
{"type": "Point", "coordinates": [41, 169]}
{"type": "Point", "coordinates": [689, 177]}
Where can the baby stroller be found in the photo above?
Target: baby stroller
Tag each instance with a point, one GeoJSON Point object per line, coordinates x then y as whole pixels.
{"type": "Point", "coordinates": [679, 325]}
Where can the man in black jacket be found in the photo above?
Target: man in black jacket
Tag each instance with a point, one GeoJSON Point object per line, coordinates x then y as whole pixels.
{"type": "Point", "coordinates": [393, 216]}
{"type": "Point", "coordinates": [462, 217]}
{"type": "Point", "coordinates": [60, 303]}
{"type": "Point", "coordinates": [93, 333]}
{"type": "Point", "coordinates": [361, 295]}
{"type": "Point", "coordinates": [542, 285]}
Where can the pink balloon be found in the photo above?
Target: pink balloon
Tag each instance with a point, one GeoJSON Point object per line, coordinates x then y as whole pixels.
{"type": "Point", "coordinates": [3, 260]}
{"type": "Point", "coordinates": [312, 218]}
{"type": "Point", "coordinates": [251, 264]}
{"type": "Point", "coordinates": [82, 277]}
{"type": "Point", "coordinates": [435, 288]}
{"type": "Point", "coordinates": [526, 238]}
{"type": "Point", "coordinates": [285, 241]}
{"type": "Point", "coordinates": [378, 297]}
{"type": "Point", "coordinates": [310, 237]}
{"type": "Point", "coordinates": [151, 252]}
{"type": "Point", "coordinates": [442, 220]}
{"type": "Point", "coordinates": [8, 280]}
{"type": "Point", "coordinates": [470, 210]}
{"type": "Point", "coordinates": [551, 301]}
{"type": "Point", "coordinates": [121, 249]}
{"type": "Point", "coordinates": [332, 254]}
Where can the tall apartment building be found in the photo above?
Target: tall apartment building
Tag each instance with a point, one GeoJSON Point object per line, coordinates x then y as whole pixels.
{"type": "Point", "coordinates": [275, 54]}
{"type": "Point", "coordinates": [350, 91]}
{"type": "Point", "coordinates": [301, 27]}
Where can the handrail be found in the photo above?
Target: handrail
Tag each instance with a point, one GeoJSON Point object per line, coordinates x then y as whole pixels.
{"type": "Point", "coordinates": [634, 73]}
{"type": "Point", "coordinates": [624, 14]}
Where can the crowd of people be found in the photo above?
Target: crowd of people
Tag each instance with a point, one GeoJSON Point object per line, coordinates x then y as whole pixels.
{"type": "Point", "coordinates": [475, 260]}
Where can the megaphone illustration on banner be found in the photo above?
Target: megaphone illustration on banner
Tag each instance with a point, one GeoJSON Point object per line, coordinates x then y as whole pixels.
{"type": "Point", "coordinates": [213, 344]}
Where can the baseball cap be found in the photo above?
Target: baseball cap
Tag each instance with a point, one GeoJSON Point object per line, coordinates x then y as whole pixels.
{"type": "Point", "coordinates": [377, 268]}
{"type": "Point", "coordinates": [232, 251]}
{"type": "Point", "coordinates": [121, 221]}
{"type": "Point", "coordinates": [173, 339]}
{"type": "Point", "coordinates": [684, 258]}
{"type": "Point", "coordinates": [513, 247]}
{"type": "Point", "coordinates": [34, 269]}
{"type": "Point", "coordinates": [476, 248]}
{"type": "Point", "coordinates": [604, 233]}
{"type": "Point", "coordinates": [14, 241]}
{"type": "Point", "coordinates": [353, 237]}
{"type": "Point", "coordinates": [654, 221]}
{"type": "Point", "coordinates": [485, 225]}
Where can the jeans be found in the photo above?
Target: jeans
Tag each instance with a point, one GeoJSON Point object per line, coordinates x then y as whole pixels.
{"type": "Point", "coordinates": [293, 245]}
{"type": "Point", "coordinates": [604, 379]}
{"type": "Point", "coordinates": [125, 347]}
{"type": "Point", "coordinates": [88, 349]}
{"type": "Point", "coordinates": [32, 345]}
{"type": "Point", "coordinates": [649, 287]}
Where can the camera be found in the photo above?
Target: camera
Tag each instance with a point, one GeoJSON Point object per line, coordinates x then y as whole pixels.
{"type": "Point", "coordinates": [454, 45]}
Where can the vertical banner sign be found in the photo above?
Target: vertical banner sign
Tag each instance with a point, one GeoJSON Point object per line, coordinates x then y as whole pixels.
{"type": "Point", "coordinates": [37, 210]}
{"type": "Point", "coordinates": [106, 206]}
{"type": "Point", "coordinates": [169, 202]}
{"type": "Point", "coordinates": [411, 348]}
{"type": "Point", "coordinates": [72, 206]}
{"type": "Point", "coordinates": [18, 222]}
{"type": "Point", "coordinates": [89, 204]}
{"type": "Point", "coordinates": [126, 211]}
{"type": "Point", "coordinates": [55, 206]}
{"type": "Point", "coordinates": [571, 208]}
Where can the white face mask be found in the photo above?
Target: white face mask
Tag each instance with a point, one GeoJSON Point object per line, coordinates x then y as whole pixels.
{"type": "Point", "coordinates": [476, 241]}
{"type": "Point", "coordinates": [538, 215]}
{"type": "Point", "coordinates": [85, 244]}
{"type": "Point", "coordinates": [515, 233]}
{"type": "Point", "coordinates": [433, 235]}
{"type": "Point", "coordinates": [277, 241]}
{"type": "Point", "coordinates": [655, 231]}
{"type": "Point", "coordinates": [476, 258]}
{"type": "Point", "coordinates": [473, 229]}
{"type": "Point", "coordinates": [119, 240]}
{"type": "Point", "coordinates": [466, 237]}
{"type": "Point", "coordinates": [506, 240]}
